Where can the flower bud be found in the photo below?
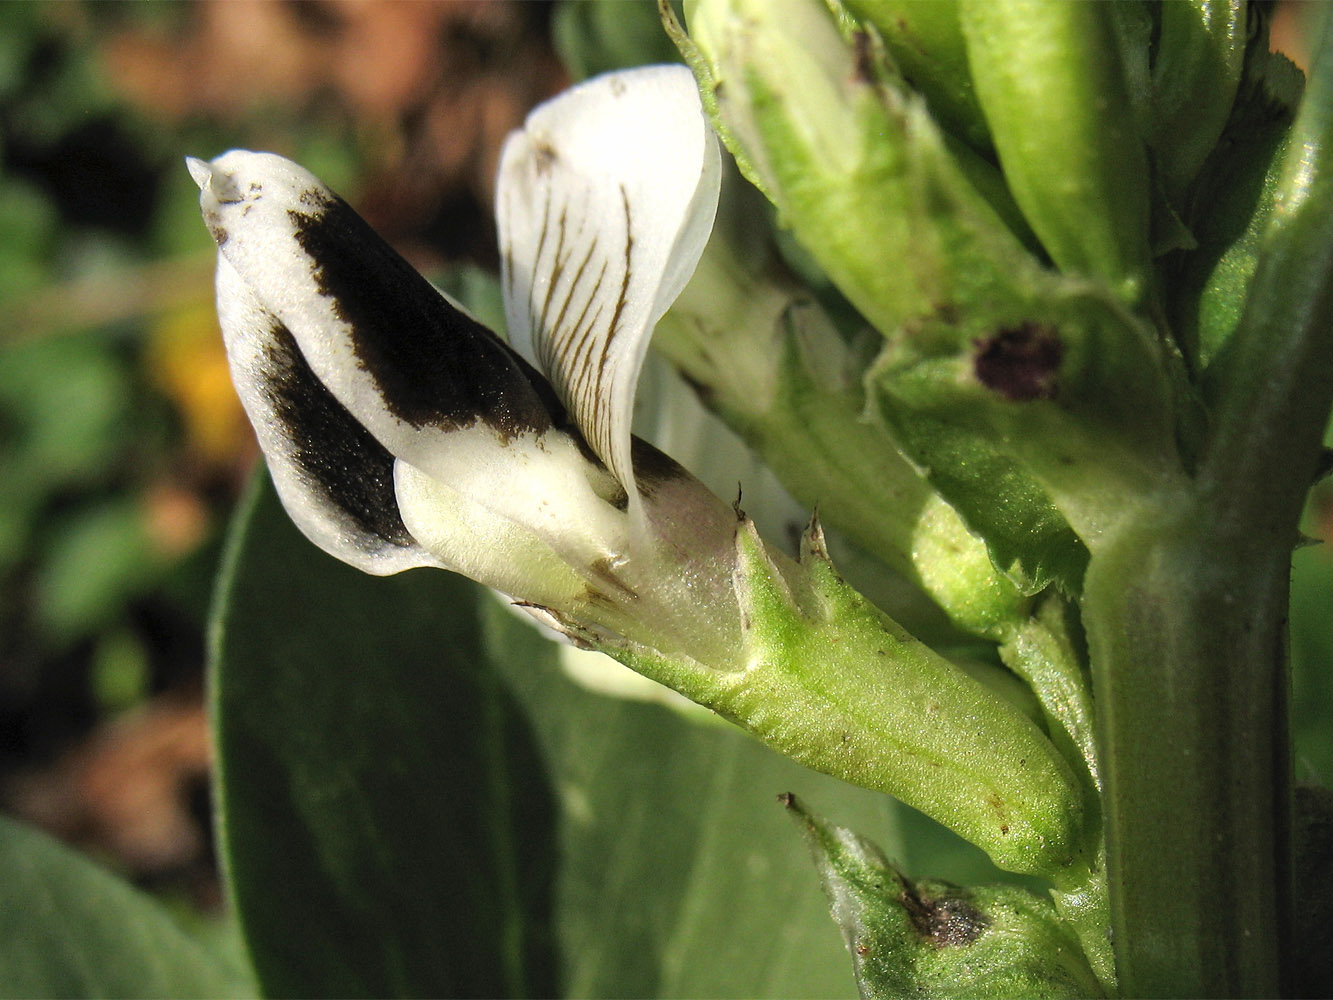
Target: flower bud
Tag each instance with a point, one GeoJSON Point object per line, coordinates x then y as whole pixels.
{"type": "Point", "coordinates": [1048, 77]}
{"type": "Point", "coordinates": [926, 42]}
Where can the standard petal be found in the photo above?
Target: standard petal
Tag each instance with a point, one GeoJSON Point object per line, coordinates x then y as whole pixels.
{"type": "Point", "coordinates": [334, 478]}
{"type": "Point", "coordinates": [605, 200]}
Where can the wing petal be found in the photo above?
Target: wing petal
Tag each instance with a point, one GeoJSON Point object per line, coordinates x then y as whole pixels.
{"type": "Point", "coordinates": [334, 478]}
{"type": "Point", "coordinates": [407, 362]}
{"type": "Point", "coordinates": [429, 384]}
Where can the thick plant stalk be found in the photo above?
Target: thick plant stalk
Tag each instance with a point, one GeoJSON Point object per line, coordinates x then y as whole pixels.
{"type": "Point", "coordinates": [1186, 612]}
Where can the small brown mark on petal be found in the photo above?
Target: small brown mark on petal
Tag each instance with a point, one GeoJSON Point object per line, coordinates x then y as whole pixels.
{"type": "Point", "coordinates": [544, 156]}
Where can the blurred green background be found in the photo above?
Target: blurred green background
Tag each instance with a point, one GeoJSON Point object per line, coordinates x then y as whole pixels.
{"type": "Point", "coordinates": [122, 448]}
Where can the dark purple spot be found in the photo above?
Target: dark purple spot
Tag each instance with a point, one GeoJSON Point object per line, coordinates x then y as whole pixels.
{"type": "Point", "coordinates": [1021, 363]}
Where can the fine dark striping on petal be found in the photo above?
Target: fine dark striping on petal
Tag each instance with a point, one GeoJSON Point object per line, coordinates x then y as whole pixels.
{"type": "Point", "coordinates": [433, 364]}
{"type": "Point", "coordinates": [352, 470]}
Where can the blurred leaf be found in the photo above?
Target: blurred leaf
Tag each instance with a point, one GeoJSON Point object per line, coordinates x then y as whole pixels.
{"type": "Point", "coordinates": [27, 236]}
{"type": "Point", "coordinates": [1312, 662]}
{"type": "Point", "coordinates": [594, 37]}
{"type": "Point", "coordinates": [121, 675]}
{"type": "Point", "coordinates": [477, 290]}
{"type": "Point", "coordinates": [386, 822]}
{"type": "Point", "coordinates": [413, 806]}
{"type": "Point", "coordinates": [99, 557]}
{"type": "Point", "coordinates": [70, 929]}
{"type": "Point", "coordinates": [63, 407]}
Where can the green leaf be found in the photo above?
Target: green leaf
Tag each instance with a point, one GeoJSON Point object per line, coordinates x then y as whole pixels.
{"type": "Point", "coordinates": [411, 806]}
{"type": "Point", "coordinates": [100, 557]}
{"type": "Point", "coordinates": [1232, 201]}
{"type": "Point", "coordinates": [386, 822]}
{"type": "Point", "coordinates": [1197, 57]}
{"type": "Point", "coordinates": [593, 38]}
{"type": "Point", "coordinates": [929, 938]}
{"type": "Point", "coordinates": [69, 928]}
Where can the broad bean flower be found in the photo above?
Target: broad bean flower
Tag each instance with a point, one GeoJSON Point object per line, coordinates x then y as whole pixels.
{"type": "Point", "coordinates": [400, 432]}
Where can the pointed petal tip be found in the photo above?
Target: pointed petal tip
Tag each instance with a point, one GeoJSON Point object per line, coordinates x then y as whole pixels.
{"type": "Point", "coordinates": [200, 170]}
{"type": "Point", "coordinates": [218, 177]}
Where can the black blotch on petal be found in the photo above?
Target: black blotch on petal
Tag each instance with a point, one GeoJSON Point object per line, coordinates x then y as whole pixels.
{"type": "Point", "coordinates": [1021, 362]}
{"type": "Point", "coordinates": [433, 364]}
{"type": "Point", "coordinates": [352, 470]}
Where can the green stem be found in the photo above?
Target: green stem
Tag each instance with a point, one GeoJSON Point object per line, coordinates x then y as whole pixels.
{"type": "Point", "coordinates": [1185, 608]}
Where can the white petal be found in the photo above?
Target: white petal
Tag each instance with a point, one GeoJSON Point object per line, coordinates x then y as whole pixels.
{"type": "Point", "coordinates": [605, 200]}
{"type": "Point", "coordinates": [534, 486]}
{"type": "Point", "coordinates": [488, 548]}
{"type": "Point", "coordinates": [335, 480]}
{"type": "Point", "coordinates": [428, 382]}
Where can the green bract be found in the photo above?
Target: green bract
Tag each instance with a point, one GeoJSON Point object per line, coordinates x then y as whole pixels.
{"type": "Point", "coordinates": [1049, 80]}
{"type": "Point", "coordinates": [929, 938]}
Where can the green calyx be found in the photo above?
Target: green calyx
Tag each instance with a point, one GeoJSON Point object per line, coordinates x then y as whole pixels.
{"type": "Point", "coordinates": [829, 680]}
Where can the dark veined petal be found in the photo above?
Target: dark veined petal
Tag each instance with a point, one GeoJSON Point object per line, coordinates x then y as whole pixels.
{"type": "Point", "coordinates": [605, 200]}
